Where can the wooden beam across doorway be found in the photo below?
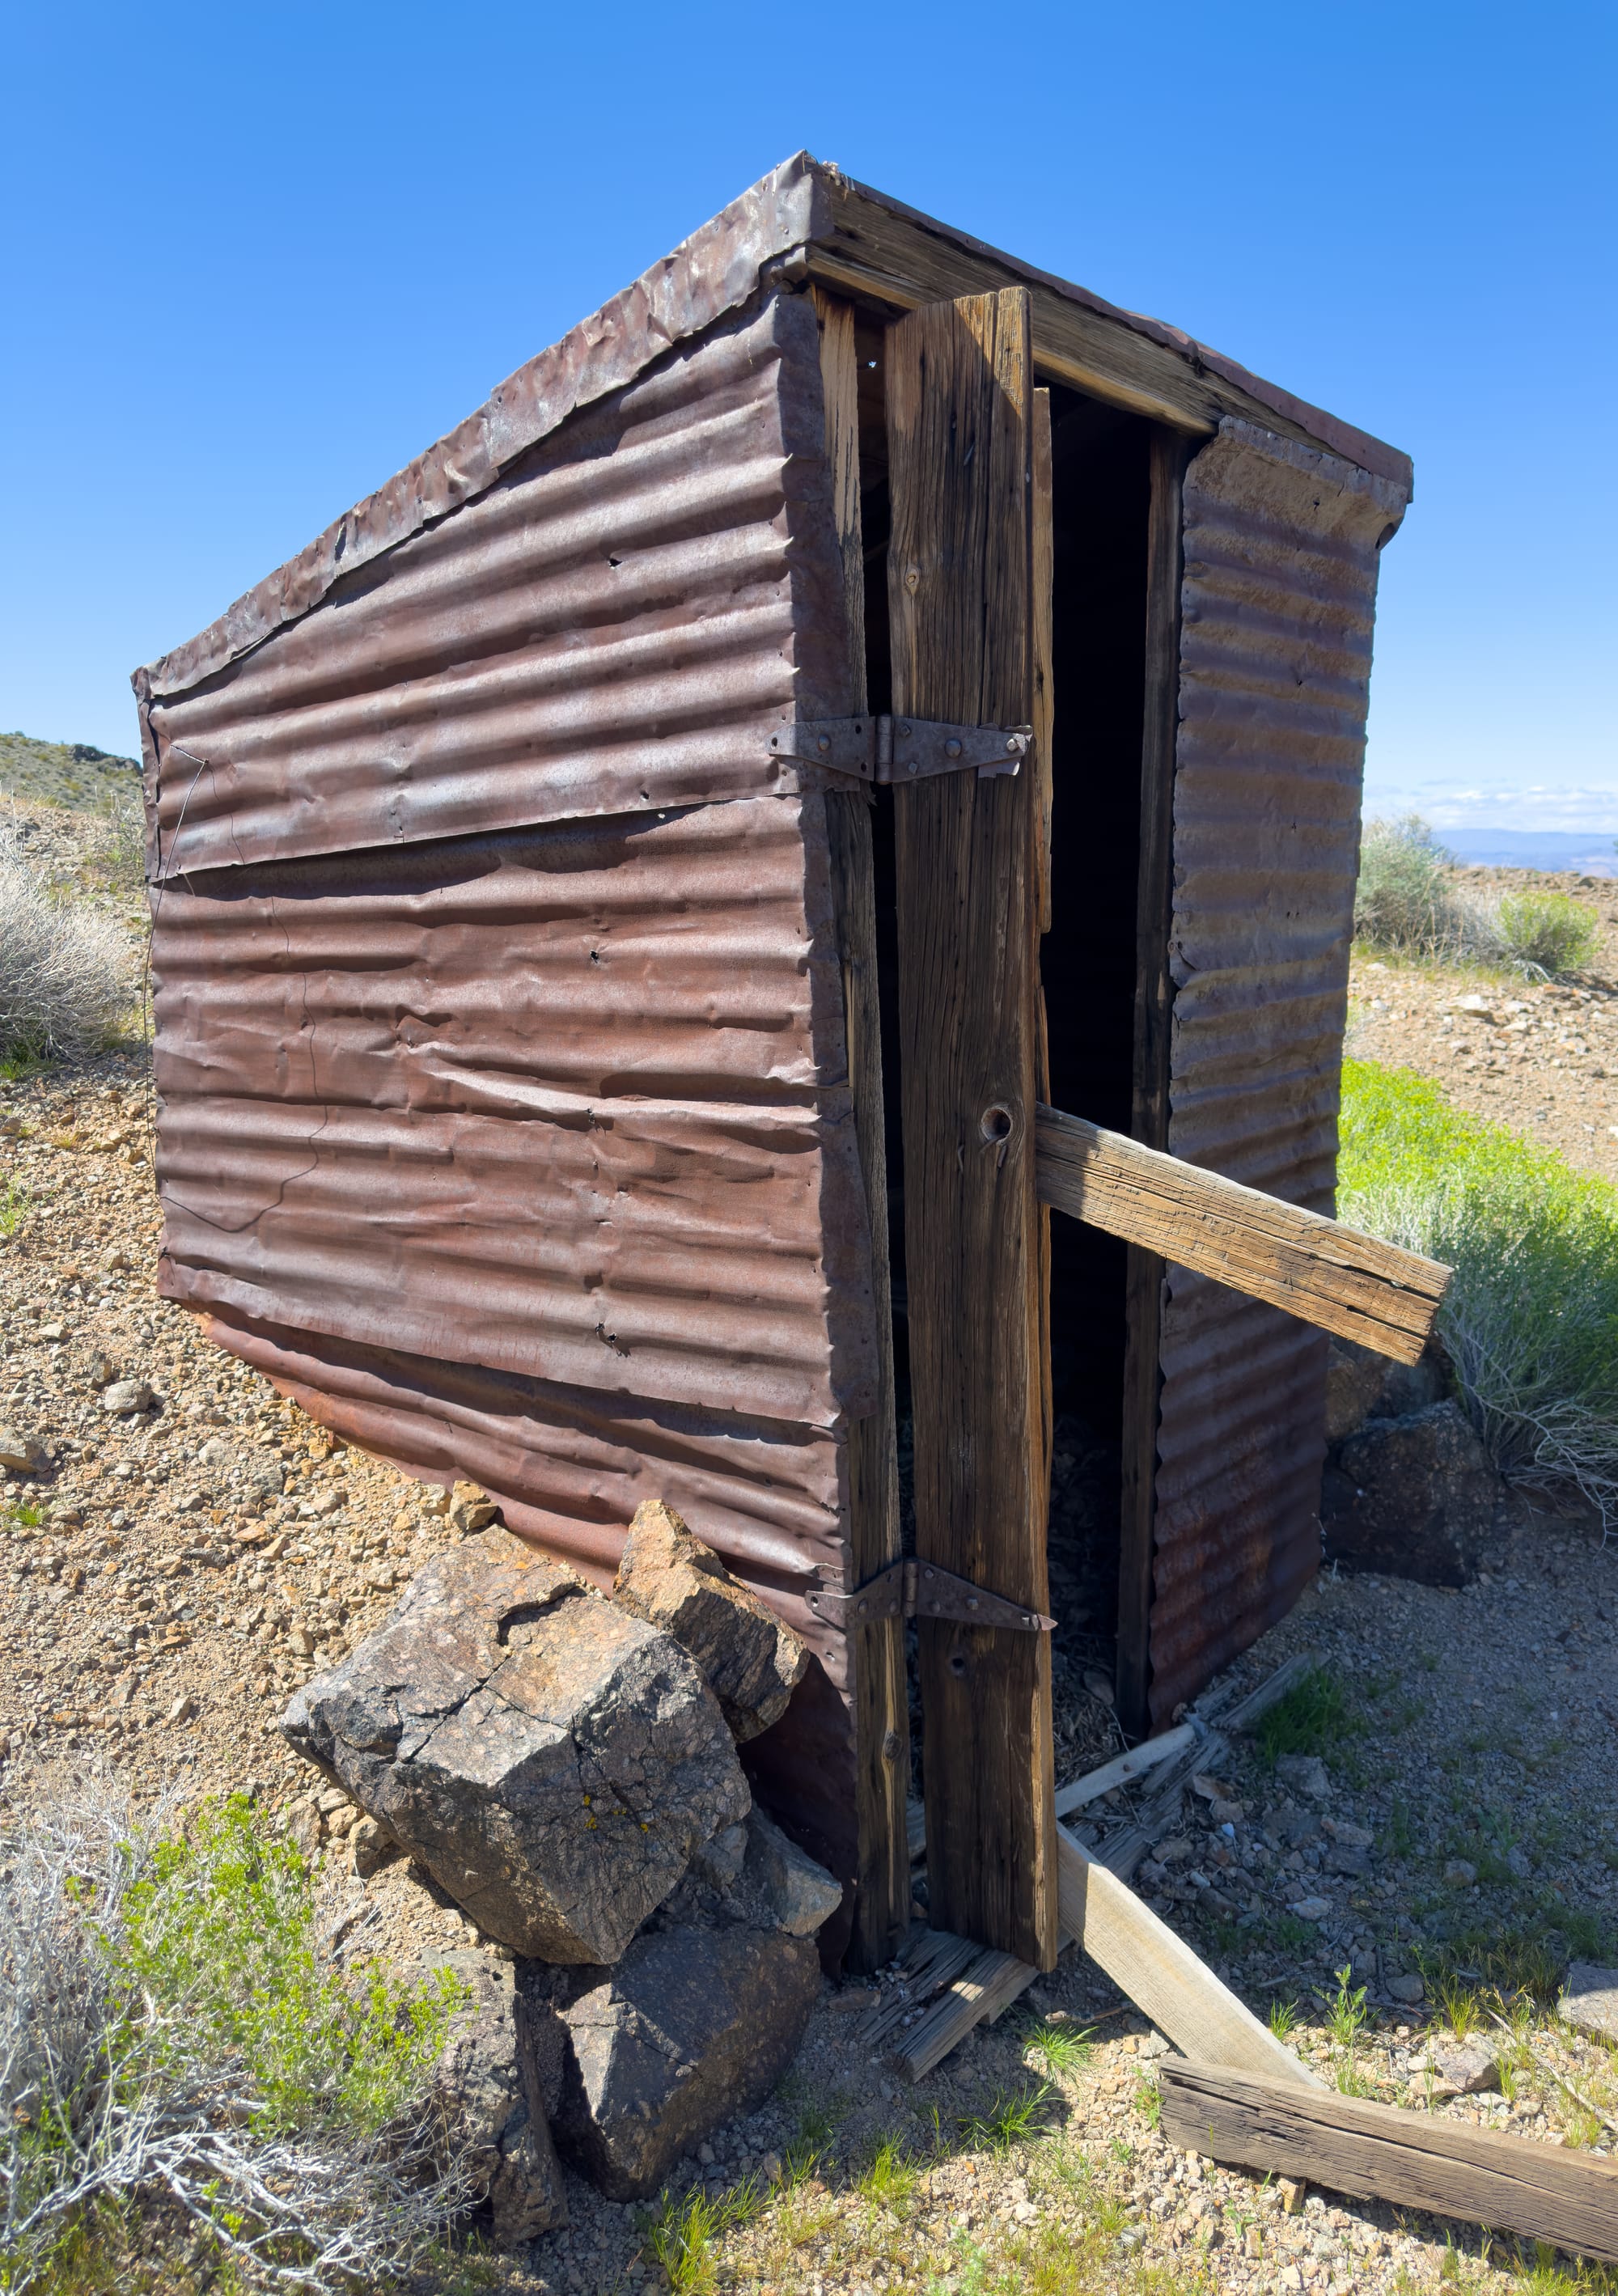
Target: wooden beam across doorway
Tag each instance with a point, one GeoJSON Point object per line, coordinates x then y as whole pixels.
{"type": "Point", "coordinates": [960, 577]}
{"type": "Point", "coordinates": [1352, 1284]}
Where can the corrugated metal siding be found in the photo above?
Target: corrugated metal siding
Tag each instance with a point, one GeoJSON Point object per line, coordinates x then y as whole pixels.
{"type": "Point", "coordinates": [616, 625]}
{"type": "Point", "coordinates": [1278, 600]}
{"type": "Point", "coordinates": [570, 1102]}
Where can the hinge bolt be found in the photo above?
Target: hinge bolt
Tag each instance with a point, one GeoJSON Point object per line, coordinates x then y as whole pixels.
{"type": "Point", "coordinates": [952, 749]}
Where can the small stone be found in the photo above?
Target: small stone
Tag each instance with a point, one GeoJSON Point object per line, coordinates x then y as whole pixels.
{"type": "Point", "coordinates": [470, 1509]}
{"type": "Point", "coordinates": [125, 1397]}
{"type": "Point", "coordinates": [1409, 1987]}
{"type": "Point", "coordinates": [303, 1828]}
{"type": "Point", "coordinates": [183, 1710]}
{"type": "Point", "coordinates": [1590, 2001]}
{"type": "Point", "coordinates": [1310, 1909]}
{"type": "Point", "coordinates": [800, 1894]}
{"type": "Point", "coordinates": [1466, 2067]}
{"type": "Point", "coordinates": [371, 1847]}
{"type": "Point", "coordinates": [103, 1370]}
{"type": "Point", "coordinates": [1459, 1873]}
{"type": "Point", "coordinates": [751, 1660]}
{"type": "Point", "coordinates": [1291, 2194]}
{"type": "Point", "coordinates": [1304, 1774]}
{"type": "Point", "coordinates": [854, 1999]}
{"type": "Point", "coordinates": [20, 1453]}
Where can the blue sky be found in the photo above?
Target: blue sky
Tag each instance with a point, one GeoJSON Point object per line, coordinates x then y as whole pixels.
{"type": "Point", "coordinates": [256, 260]}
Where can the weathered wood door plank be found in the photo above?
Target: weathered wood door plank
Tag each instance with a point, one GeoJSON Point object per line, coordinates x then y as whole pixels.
{"type": "Point", "coordinates": [959, 393]}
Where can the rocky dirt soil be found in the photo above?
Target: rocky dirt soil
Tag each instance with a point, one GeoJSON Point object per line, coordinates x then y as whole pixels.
{"type": "Point", "coordinates": [187, 1548]}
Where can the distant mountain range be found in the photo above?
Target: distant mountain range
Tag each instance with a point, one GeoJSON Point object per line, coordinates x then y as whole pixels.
{"type": "Point", "coordinates": [1587, 852]}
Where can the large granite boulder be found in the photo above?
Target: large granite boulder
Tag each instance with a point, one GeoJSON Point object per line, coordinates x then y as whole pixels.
{"type": "Point", "coordinates": [553, 1760]}
{"type": "Point", "coordinates": [1414, 1497]}
{"type": "Point", "coordinates": [750, 1660]}
{"type": "Point", "coordinates": [693, 2027]}
{"type": "Point", "coordinates": [488, 2096]}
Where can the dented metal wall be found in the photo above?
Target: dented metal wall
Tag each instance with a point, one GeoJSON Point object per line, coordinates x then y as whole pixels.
{"type": "Point", "coordinates": [1277, 600]}
{"type": "Point", "coordinates": [504, 1109]}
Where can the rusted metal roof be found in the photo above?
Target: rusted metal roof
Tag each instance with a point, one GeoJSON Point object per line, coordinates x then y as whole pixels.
{"type": "Point", "coordinates": [618, 624]}
{"type": "Point", "coordinates": [1278, 602]}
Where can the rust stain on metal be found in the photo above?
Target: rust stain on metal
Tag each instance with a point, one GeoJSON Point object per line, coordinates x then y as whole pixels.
{"type": "Point", "coordinates": [1278, 600]}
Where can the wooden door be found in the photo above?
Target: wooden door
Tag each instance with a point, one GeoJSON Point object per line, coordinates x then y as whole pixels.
{"type": "Point", "coordinates": [960, 413]}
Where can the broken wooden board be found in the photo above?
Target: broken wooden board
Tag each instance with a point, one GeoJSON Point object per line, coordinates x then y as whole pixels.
{"type": "Point", "coordinates": [1160, 1972]}
{"type": "Point", "coordinates": [1415, 2160]}
{"type": "Point", "coordinates": [1352, 1284]}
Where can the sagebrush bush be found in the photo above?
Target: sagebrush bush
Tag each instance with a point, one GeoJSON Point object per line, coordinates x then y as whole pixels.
{"type": "Point", "coordinates": [1408, 898]}
{"type": "Point", "coordinates": [1404, 898]}
{"type": "Point", "coordinates": [1530, 1320]}
{"type": "Point", "coordinates": [1548, 933]}
{"type": "Point", "coordinates": [168, 2041]}
{"type": "Point", "coordinates": [66, 971]}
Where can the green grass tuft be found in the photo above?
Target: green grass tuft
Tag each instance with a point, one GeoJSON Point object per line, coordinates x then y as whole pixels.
{"type": "Point", "coordinates": [1313, 1718]}
{"type": "Point", "coordinates": [1530, 1320]}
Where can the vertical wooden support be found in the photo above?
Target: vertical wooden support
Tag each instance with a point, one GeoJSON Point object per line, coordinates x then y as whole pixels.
{"type": "Point", "coordinates": [1044, 724]}
{"type": "Point", "coordinates": [1153, 1000]}
{"type": "Point", "coordinates": [959, 392]}
{"type": "Point", "coordinates": [876, 1658]}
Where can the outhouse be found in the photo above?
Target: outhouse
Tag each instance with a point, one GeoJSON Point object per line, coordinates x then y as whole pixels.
{"type": "Point", "coordinates": [622, 893]}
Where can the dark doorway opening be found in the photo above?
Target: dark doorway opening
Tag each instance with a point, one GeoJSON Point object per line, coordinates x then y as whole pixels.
{"type": "Point", "coordinates": [1101, 495]}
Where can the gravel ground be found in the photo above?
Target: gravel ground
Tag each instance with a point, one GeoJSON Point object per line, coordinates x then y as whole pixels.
{"type": "Point", "coordinates": [174, 1571]}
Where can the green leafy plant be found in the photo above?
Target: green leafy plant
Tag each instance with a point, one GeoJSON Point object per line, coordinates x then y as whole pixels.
{"type": "Point", "coordinates": [171, 2048]}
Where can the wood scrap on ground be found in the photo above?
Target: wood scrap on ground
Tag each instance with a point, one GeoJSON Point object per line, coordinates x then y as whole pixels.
{"type": "Point", "coordinates": [1382, 2152]}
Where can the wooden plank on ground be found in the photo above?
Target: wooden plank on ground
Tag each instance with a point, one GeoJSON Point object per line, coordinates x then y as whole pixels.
{"type": "Point", "coordinates": [1160, 1972]}
{"type": "Point", "coordinates": [1352, 1284]}
{"type": "Point", "coordinates": [1149, 1116]}
{"type": "Point", "coordinates": [959, 388]}
{"type": "Point", "coordinates": [877, 1659]}
{"type": "Point", "coordinates": [1415, 2160]}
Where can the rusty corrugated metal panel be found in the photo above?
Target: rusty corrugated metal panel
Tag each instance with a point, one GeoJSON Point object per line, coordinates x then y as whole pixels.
{"type": "Point", "coordinates": [1278, 598]}
{"type": "Point", "coordinates": [569, 1103]}
{"type": "Point", "coordinates": [616, 625]}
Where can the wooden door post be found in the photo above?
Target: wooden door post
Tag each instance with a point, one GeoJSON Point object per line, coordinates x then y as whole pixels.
{"type": "Point", "coordinates": [876, 1653]}
{"type": "Point", "coordinates": [959, 412]}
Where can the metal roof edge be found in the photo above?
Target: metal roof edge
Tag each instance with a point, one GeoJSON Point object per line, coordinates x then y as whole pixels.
{"type": "Point", "coordinates": [712, 273]}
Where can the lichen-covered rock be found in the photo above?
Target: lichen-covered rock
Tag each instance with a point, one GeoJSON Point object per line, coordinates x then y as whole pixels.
{"type": "Point", "coordinates": [488, 2102]}
{"type": "Point", "coordinates": [750, 1660]}
{"type": "Point", "coordinates": [552, 1761]}
{"type": "Point", "coordinates": [692, 2027]}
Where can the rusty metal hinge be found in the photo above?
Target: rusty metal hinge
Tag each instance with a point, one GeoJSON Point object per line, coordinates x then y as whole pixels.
{"type": "Point", "coordinates": [881, 749]}
{"type": "Point", "coordinates": [913, 1589]}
